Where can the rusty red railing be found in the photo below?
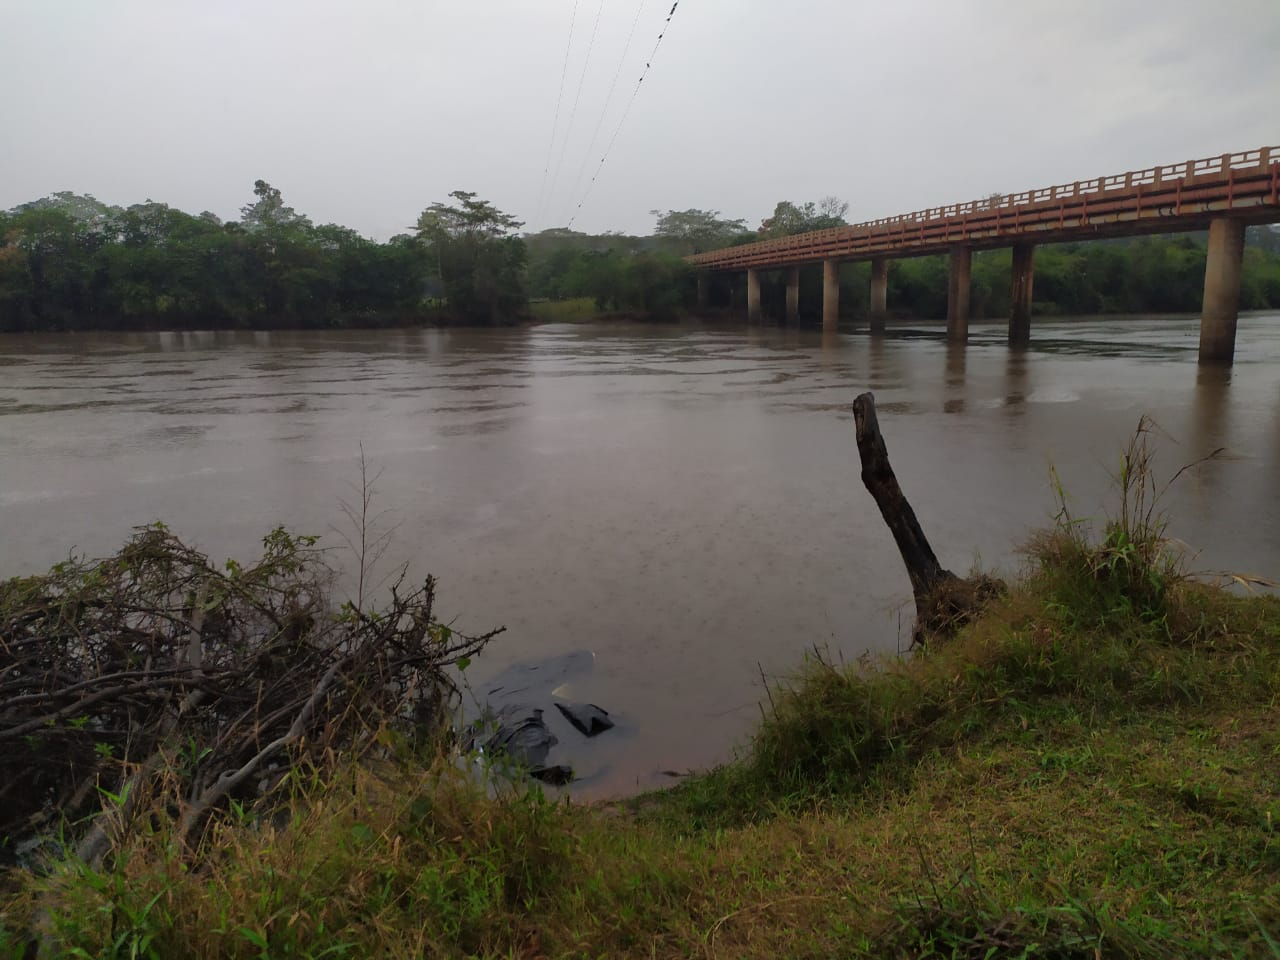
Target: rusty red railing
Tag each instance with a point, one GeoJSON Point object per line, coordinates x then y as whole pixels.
{"type": "Point", "coordinates": [1176, 196]}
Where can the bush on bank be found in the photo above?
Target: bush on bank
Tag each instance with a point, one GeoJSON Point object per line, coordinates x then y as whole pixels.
{"type": "Point", "coordinates": [157, 679]}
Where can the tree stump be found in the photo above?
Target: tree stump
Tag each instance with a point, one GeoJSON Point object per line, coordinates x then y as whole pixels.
{"type": "Point", "coordinates": [944, 602]}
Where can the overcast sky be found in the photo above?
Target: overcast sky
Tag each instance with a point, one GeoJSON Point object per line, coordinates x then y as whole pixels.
{"type": "Point", "coordinates": [363, 112]}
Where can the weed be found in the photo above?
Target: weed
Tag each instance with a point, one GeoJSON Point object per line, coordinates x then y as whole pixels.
{"type": "Point", "coordinates": [1128, 572]}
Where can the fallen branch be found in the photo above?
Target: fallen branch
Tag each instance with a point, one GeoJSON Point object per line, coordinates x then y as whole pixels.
{"type": "Point", "coordinates": [153, 674]}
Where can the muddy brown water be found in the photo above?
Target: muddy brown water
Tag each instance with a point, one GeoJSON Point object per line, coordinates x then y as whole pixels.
{"type": "Point", "coordinates": [682, 501]}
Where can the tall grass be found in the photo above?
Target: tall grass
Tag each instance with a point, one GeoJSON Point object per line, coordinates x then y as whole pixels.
{"type": "Point", "coordinates": [577, 310]}
{"type": "Point", "coordinates": [418, 859]}
{"type": "Point", "coordinates": [1131, 569]}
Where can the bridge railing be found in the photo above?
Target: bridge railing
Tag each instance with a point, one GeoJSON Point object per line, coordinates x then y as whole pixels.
{"type": "Point", "coordinates": [1219, 166]}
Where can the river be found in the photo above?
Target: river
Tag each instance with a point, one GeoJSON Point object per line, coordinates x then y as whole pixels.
{"type": "Point", "coordinates": [683, 501]}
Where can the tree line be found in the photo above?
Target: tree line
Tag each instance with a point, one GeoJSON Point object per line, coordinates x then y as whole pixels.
{"type": "Point", "coordinates": [71, 262]}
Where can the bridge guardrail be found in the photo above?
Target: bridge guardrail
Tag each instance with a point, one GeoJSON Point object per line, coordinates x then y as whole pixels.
{"type": "Point", "coordinates": [1186, 172]}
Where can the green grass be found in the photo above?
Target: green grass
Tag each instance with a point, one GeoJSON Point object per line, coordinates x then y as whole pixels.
{"type": "Point", "coordinates": [1023, 785]}
{"type": "Point", "coordinates": [1029, 783]}
{"type": "Point", "coordinates": [578, 310]}
{"type": "Point", "coordinates": [1089, 769]}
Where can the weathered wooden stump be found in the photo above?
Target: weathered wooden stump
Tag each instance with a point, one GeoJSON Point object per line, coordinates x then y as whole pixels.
{"type": "Point", "coordinates": [944, 602]}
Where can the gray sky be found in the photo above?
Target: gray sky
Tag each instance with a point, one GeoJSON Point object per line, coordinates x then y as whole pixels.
{"type": "Point", "coordinates": [365, 111]}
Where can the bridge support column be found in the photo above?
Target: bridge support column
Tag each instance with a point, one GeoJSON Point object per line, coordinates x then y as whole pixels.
{"type": "Point", "coordinates": [704, 284]}
{"type": "Point", "coordinates": [1221, 292]}
{"type": "Point", "coordinates": [879, 293]}
{"type": "Point", "coordinates": [1020, 294]}
{"type": "Point", "coordinates": [753, 295]}
{"type": "Point", "coordinates": [958, 295]}
{"type": "Point", "coordinates": [793, 294]}
{"type": "Point", "coordinates": [830, 294]}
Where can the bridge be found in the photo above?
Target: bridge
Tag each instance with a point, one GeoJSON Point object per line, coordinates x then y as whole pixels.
{"type": "Point", "coordinates": [1222, 194]}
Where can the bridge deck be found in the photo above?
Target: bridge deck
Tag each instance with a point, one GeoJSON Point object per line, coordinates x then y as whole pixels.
{"type": "Point", "coordinates": [1168, 199]}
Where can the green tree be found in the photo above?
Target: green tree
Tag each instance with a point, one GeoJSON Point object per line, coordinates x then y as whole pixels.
{"type": "Point", "coordinates": [69, 261]}
{"type": "Point", "coordinates": [15, 279]}
{"type": "Point", "coordinates": [790, 218]}
{"type": "Point", "coordinates": [694, 231]}
{"type": "Point", "coordinates": [269, 210]}
{"type": "Point", "coordinates": [554, 252]}
{"type": "Point", "coordinates": [653, 283]}
{"type": "Point", "coordinates": [62, 258]}
{"type": "Point", "coordinates": [597, 274]}
{"type": "Point", "coordinates": [289, 261]}
{"type": "Point", "coordinates": [477, 258]}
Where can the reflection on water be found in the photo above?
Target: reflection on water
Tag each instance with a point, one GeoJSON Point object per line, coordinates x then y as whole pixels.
{"type": "Point", "coordinates": [685, 502]}
{"type": "Point", "coordinates": [1016, 369]}
{"type": "Point", "coordinates": [956, 357]}
{"type": "Point", "coordinates": [1212, 408]}
{"type": "Point", "coordinates": [1274, 446]}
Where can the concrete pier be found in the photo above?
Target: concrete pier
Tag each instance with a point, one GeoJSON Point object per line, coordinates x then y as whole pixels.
{"type": "Point", "coordinates": [958, 295]}
{"type": "Point", "coordinates": [1221, 292]}
{"type": "Point", "coordinates": [1021, 280]}
{"type": "Point", "coordinates": [879, 293]}
{"type": "Point", "coordinates": [753, 296]}
{"type": "Point", "coordinates": [793, 295]}
{"type": "Point", "coordinates": [830, 294]}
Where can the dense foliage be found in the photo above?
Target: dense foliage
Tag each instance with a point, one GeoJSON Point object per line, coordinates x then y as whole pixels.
{"type": "Point", "coordinates": [636, 275]}
{"type": "Point", "coordinates": [791, 218]}
{"type": "Point", "coordinates": [69, 261]}
{"type": "Point", "coordinates": [479, 262]}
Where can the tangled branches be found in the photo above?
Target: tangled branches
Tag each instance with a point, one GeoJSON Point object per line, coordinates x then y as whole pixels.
{"type": "Point", "coordinates": [153, 664]}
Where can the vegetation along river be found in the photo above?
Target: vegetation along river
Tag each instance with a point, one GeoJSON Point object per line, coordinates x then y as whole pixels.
{"type": "Point", "coordinates": [683, 501]}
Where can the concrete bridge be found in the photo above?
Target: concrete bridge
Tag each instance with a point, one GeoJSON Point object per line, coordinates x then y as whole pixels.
{"type": "Point", "coordinates": [1223, 194]}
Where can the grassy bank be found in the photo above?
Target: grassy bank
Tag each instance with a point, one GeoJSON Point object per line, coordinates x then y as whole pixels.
{"type": "Point", "coordinates": [576, 310]}
{"type": "Point", "coordinates": [586, 310]}
{"type": "Point", "coordinates": [1087, 770]}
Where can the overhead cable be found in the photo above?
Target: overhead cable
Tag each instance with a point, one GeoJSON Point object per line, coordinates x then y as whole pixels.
{"type": "Point", "coordinates": [586, 156]}
{"type": "Point", "coordinates": [555, 120]}
{"type": "Point", "coordinates": [626, 113]}
{"type": "Point", "coordinates": [586, 62]}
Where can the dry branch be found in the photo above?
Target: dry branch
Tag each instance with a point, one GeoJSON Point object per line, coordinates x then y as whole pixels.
{"type": "Point", "coordinates": [154, 666]}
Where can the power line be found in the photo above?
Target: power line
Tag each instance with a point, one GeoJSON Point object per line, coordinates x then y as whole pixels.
{"type": "Point", "coordinates": [564, 72]}
{"type": "Point", "coordinates": [626, 113]}
{"type": "Point", "coordinates": [555, 177]}
{"type": "Point", "coordinates": [586, 156]}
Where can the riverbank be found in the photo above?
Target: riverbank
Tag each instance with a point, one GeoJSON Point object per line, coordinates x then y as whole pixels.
{"type": "Point", "coordinates": [1087, 770]}
{"type": "Point", "coordinates": [586, 310]}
